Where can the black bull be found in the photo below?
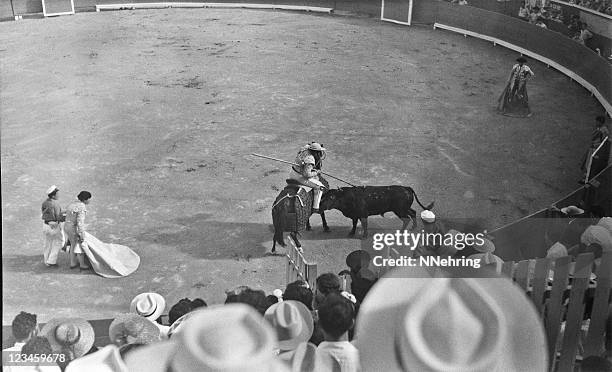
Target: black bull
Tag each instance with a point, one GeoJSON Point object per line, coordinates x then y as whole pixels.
{"type": "Point", "coordinates": [291, 213]}
{"type": "Point", "coordinates": [357, 203]}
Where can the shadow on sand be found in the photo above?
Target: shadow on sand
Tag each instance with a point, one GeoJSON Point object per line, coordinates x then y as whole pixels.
{"type": "Point", "coordinates": [203, 237]}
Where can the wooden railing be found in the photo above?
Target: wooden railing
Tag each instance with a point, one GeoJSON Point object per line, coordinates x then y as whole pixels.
{"type": "Point", "coordinates": [573, 304]}
{"type": "Point", "coordinates": [298, 268]}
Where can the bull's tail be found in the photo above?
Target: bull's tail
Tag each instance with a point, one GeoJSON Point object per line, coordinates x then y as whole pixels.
{"type": "Point", "coordinates": [418, 201]}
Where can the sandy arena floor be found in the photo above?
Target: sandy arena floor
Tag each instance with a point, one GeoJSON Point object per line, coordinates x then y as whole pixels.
{"type": "Point", "coordinates": [156, 113]}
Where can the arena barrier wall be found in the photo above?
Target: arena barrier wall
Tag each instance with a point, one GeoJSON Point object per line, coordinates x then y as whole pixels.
{"type": "Point", "coordinates": [554, 49]}
{"type": "Point", "coordinates": [524, 239]}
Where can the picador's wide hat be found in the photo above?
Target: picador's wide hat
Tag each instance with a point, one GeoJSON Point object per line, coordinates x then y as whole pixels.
{"type": "Point", "coordinates": [315, 146]}
{"type": "Point", "coordinates": [458, 319]}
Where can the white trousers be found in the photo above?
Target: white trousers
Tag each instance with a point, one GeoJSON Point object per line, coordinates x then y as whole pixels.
{"type": "Point", "coordinates": [54, 241]}
{"type": "Point", "coordinates": [309, 183]}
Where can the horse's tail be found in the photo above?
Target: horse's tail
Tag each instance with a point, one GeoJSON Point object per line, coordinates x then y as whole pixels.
{"type": "Point", "coordinates": [417, 199]}
{"type": "Point", "coordinates": [279, 222]}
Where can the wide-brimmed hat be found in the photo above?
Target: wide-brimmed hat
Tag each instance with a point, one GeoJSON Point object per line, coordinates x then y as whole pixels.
{"type": "Point", "coordinates": [106, 359]}
{"type": "Point", "coordinates": [572, 210]}
{"type": "Point", "coordinates": [521, 60]}
{"type": "Point", "coordinates": [51, 189]}
{"type": "Point", "coordinates": [133, 329]}
{"type": "Point", "coordinates": [150, 305]}
{"type": "Point", "coordinates": [487, 246]}
{"type": "Point", "coordinates": [456, 319]}
{"type": "Point", "coordinates": [489, 259]}
{"type": "Point", "coordinates": [230, 338]}
{"type": "Point", "coordinates": [74, 334]}
{"type": "Point", "coordinates": [428, 216]}
{"type": "Point", "coordinates": [292, 322]}
{"type": "Point", "coordinates": [315, 146]}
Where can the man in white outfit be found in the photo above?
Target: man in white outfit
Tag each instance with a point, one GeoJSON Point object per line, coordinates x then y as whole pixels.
{"type": "Point", "coordinates": [53, 217]}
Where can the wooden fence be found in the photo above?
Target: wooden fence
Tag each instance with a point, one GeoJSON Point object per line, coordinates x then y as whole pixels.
{"type": "Point", "coordinates": [298, 268]}
{"type": "Point", "coordinates": [573, 304]}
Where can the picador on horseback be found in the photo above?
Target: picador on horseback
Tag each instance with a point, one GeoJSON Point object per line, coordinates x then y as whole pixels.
{"type": "Point", "coordinates": [302, 195]}
{"type": "Point", "coordinates": [307, 170]}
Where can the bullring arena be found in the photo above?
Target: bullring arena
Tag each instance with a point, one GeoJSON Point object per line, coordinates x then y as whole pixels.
{"type": "Point", "coordinates": [158, 111]}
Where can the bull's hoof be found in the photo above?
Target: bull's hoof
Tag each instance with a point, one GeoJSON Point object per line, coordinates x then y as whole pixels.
{"type": "Point", "coordinates": [352, 233]}
{"type": "Point", "coordinates": [364, 236]}
{"type": "Point", "coordinates": [308, 227]}
{"type": "Point", "coordinates": [326, 229]}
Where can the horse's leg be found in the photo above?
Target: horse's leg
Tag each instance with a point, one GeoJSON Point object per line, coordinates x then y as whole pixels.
{"type": "Point", "coordinates": [273, 245]}
{"type": "Point", "coordinates": [364, 226]}
{"type": "Point", "coordinates": [352, 232]}
{"type": "Point", "coordinates": [298, 245]}
{"type": "Point", "coordinates": [308, 227]}
{"type": "Point", "coordinates": [325, 227]}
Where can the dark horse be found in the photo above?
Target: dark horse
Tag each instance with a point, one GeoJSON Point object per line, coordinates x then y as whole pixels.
{"type": "Point", "coordinates": [291, 212]}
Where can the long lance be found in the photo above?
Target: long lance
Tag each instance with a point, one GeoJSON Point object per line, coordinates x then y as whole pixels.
{"type": "Point", "coordinates": [290, 163]}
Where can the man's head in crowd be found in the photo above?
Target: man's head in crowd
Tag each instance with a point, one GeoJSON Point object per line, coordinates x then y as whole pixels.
{"type": "Point", "coordinates": [326, 283]}
{"type": "Point", "coordinates": [24, 326]}
{"type": "Point", "coordinates": [299, 291]}
{"type": "Point", "coordinates": [336, 317]}
{"type": "Point", "coordinates": [246, 295]}
{"type": "Point", "coordinates": [179, 309]}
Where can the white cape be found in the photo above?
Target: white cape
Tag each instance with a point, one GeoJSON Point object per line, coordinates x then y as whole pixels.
{"type": "Point", "coordinates": [110, 260]}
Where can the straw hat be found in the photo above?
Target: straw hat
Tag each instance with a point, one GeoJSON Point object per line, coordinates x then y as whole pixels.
{"type": "Point", "coordinates": [292, 321]}
{"type": "Point", "coordinates": [74, 334]}
{"type": "Point", "coordinates": [106, 359]}
{"type": "Point", "coordinates": [133, 329]}
{"type": "Point", "coordinates": [150, 305]}
{"type": "Point", "coordinates": [429, 319]}
{"type": "Point", "coordinates": [229, 338]}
